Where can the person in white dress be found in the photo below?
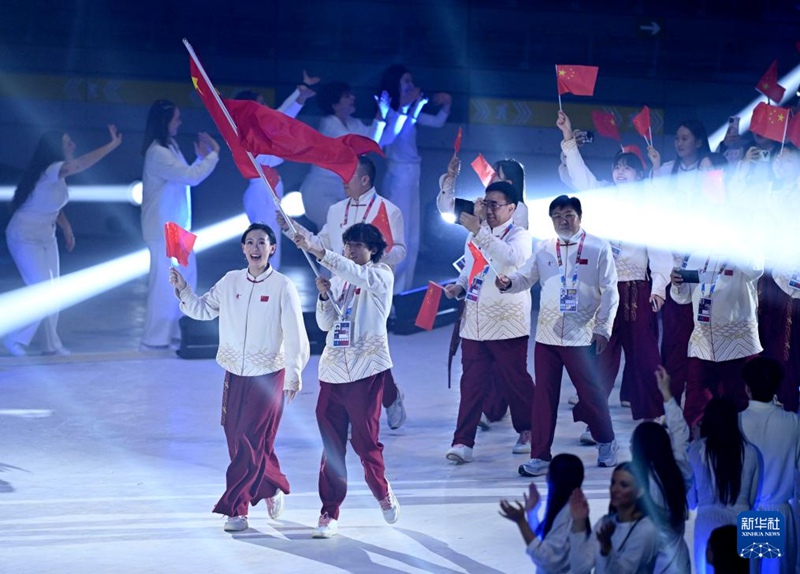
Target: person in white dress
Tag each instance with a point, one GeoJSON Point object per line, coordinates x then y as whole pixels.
{"type": "Point", "coordinates": [37, 208]}
{"type": "Point", "coordinates": [166, 197]}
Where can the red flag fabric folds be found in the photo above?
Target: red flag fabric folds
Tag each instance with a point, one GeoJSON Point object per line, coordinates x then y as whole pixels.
{"type": "Point", "coordinates": [769, 86]}
{"type": "Point", "coordinates": [769, 121]}
{"type": "Point", "coordinates": [206, 94]}
{"type": "Point", "coordinates": [578, 80]}
{"type": "Point", "coordinates": [263, 130]}
{"type": "Point", "coordinates": [430, 306]}
{"type": "Point", "coordinates": [605, 124]}
{"type": "Point", "coordinates": [457, 143]}
{"type": "Point", "coordinates": [179, 242]}
{"type": "Point", "coordinates": [478, 264]}
{"type": "Point", "coordinates": [641, 122]}
{"type": "Point", "coordinates": [483, 169]}
{"type": "Point", "coordinates": [381, 221]}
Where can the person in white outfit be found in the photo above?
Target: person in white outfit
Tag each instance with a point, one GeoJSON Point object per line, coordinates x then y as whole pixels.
{"type": "Point", "coordinates": [321, 187]}
{"type": "Point", "coordinates": [165, 197]}
{"type": "Point", "coordinates": [725, 469]}
{"type": "Point", "coordinates": [624, 541]}
{"type": "Point", "coordinates": [258, 205]}
{"type": "Point", "coordinates": [775, 433]}
{"type": "Point", "coordinates": [399, 140]}
{"type": "Point", "coordinates": [548, 540]}
{"type": "Point", "coordinates": [263, 348]}
{"type": "Point", "coordinates": [37, 208]}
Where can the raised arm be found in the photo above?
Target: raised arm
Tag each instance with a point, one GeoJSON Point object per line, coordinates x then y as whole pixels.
{"type": "Point", "coordinates": [164, 163]}
{"type": "Point", "coordinates": [87, 160]}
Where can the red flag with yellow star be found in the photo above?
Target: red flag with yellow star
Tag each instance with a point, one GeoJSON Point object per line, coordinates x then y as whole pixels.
{"type": "Point", "coordinates": [479, 262]}
{"type": "Point", "coordinates": [578, 80]}
{"type": "Point", "coordinates": [793, 131]}
{"type": "Point", "coordinates": [769, 86]}
{"type": "Point", "coordinates": [483, 169]}
{"type": "Point", "coordinates": [769, 121]}
{"type": "Point", "coordinates": [381, 221]}
{"type": "Point", "coordinates": [224, 126]}
{"type": "Point", "coordinates": [605, 124]}
{"type": "Point", "coordinates": [641, 122]}
{"type": "Point", "coordinates": [179, 242]}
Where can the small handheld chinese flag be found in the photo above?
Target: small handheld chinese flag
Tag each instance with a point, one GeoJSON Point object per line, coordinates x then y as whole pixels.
{"type": "Point", "coordinates": [483, 169]}
{"type": "Point", "coordinates": [479, 262]}
{"type": "Point", "coordinates": [769, 86]}
{"type": "Point", "coordinates": [605, 124]}
{"type": "Point", "coordinates": [179, 242]}
{"type": "Point", "coordinates": [769, 121]}
{"type": "Point", "coordinates": [641, 122]}
{"type": "Point", "coordinates": [430, 306]}
{"type": "Point", "coordinates": [381, 221]}
{"type": "Point", "coordinates": [457, 143]}
{"type": "Point", "coordinates": [578, 80]}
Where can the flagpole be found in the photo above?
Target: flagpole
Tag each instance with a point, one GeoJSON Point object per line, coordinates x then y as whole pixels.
{"type": "Point", "coordinates": [785, 129]}
{"type": "Point", "coordinates": [255, 163]}
{"type": "Point", "coordinates": [650, 131]}
{"type": "Point", "coordinates": [560, 109]}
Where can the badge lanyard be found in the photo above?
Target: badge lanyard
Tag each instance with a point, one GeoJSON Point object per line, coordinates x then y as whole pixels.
{"type": "Point", "coordinates": [577, 262]}
{"type": "Point", "coordinates": [366, 213]}
{"type": "Point", "coordinates": [344, 297]}
{"type": "Point", "coordinates": [713, 283]}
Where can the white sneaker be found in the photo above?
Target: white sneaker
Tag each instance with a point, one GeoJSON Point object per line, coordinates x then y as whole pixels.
{"type": "Point", "coordinates": [586, 437]}
{"type": "Point", "coordinates": [523, 445]}
{"type": "Point", "coordinates": [573, 400]}
{"type": "Point", "coordinates": [459, 454]}
{"type": "Point", "coordinates": [60, 352]}
{"type": "Point", "coordinates": [235, 524]}
{"type": "Point", "coordinates": [390, 507]}
{"type": "Point", "coordinates": [327, 527]}
{"type": "Point", "coordinates": [534, 467]}
{"type": "Point", "coordinates": [16, 349]}
{"type": "Point", "coordinates": [607, 454]}
{"type": "Point", "coordinates": [396, 412]}
{"type": "Point", "coordinates": [275, 505]}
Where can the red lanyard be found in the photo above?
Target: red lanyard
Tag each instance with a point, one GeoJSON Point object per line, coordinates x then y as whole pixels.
{"type": "Point", "coordinates": [577, 262]}
{"type": "Point", "coordinates": [366, 213]}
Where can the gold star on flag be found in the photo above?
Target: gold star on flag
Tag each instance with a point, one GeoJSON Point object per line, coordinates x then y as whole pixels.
{"type": "Point", "coordinates": [195, 82]}
{"type": "Point", "coordinates": [780, 117]}
{"type": "Point", "coordinates": [562, 72]}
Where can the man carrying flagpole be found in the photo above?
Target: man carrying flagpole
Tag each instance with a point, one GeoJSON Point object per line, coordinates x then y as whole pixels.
{"type": "Point", "coordinates": [494, 329]}
{"type": "Point", "coordinates": [364, 205]}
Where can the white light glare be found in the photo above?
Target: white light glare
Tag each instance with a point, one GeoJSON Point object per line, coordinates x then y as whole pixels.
{"type": "Point", "coordinates": [28, 304]}
{"type": "Point", "coordinates": [448, 217]}
{"type": "Point", "coordinates": [292, 204]}
{"type": "Point", "coordinates": [131, 193]}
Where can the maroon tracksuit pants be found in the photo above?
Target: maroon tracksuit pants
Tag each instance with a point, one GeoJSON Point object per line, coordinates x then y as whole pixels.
{"type": "Point", "coordinates": [635, 333]}
{"type": "Point", "coordinates": [251, 413]}
{"type": "Point", "coordinates": [481, 361]}
{"type": "Point", "coordinates": [549, 362]}
{"type": "Point", "coordinates": [779, 330]}
{"type": "Point", "coordinates": [707, 379]}
{"type": "Point", "coordinates": [359, 405]}
{"type": "Point", "coordinates": [677, 324]}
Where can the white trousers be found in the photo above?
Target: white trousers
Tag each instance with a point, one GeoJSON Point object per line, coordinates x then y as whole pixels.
{"type": "Point", "coordinates": [163, 308]}
{"type": "Point", "coordinates": [33, 247]}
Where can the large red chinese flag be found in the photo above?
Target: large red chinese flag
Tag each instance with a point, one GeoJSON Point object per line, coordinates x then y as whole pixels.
{"type": "Point", "coordinates": [381, 221]}
{"type": "Point", "coordinates": [769, 121]}
{"type": "Point", "coordinates": [641, 122]}
{"type": "Point", "coordinates": [578, 80]}
{"type": "Point", "coordinates": [483, 169]}
{"type": "Point", "coordinates": [263, 130]}
{"type": "Point", "coordinates": [179, 242]}
{"type": "Point", "coordinates": [793, 131]}
{"type": "Point", "coordinates": [479, 262]}
{"type": "Point", "coordinates": [225, 128]}
{"type": "Point", "coordinates": [605, 124]}
{"type": "Point", "coordinates": [430, 306]}
{"type": "Point", "coordinates": [769, 86]}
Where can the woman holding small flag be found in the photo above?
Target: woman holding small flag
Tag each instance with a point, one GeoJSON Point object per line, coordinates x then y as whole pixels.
{"type": "Point", "coordinates": [165, 197]}
{"type": "Point", "coordinates": [263, 348]}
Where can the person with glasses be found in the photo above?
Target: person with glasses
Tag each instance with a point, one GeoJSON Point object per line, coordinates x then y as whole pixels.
{"type": "Point", "coordinates": [577, 308]}
{"type": "Point", "coordinates": [494, 329]}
